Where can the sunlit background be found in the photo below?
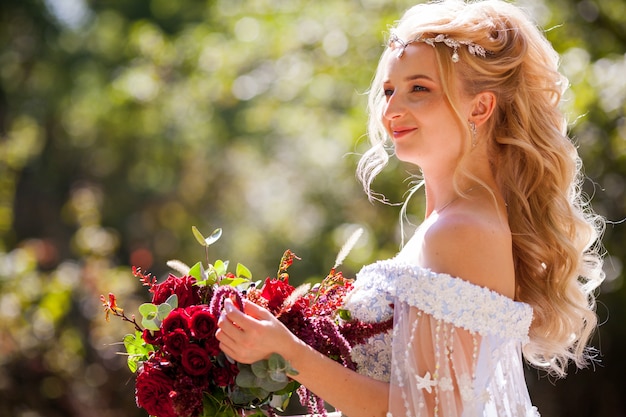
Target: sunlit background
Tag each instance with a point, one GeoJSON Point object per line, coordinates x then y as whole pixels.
{"type": "Point", "coordinates": [124, 123]}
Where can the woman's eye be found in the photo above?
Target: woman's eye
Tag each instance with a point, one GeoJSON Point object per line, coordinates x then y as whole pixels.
{"type": "Point", "coordinates": [388, 92]}
{"type": "Point", "coordinates": [417, 88]}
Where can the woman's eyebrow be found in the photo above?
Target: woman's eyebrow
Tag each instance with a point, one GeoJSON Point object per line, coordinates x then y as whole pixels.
{"type": "Point", "coordinates": [417, 77]}
{"type": "Point", "coordinates": [412, 78]}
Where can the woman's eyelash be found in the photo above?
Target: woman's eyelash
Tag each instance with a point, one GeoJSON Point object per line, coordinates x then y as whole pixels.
{"type": "Point", "coordinates": [416, 88]}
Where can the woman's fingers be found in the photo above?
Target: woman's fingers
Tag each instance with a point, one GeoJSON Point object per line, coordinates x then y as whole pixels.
{"type": "Point", "coordinates": [256, 311]}
{"type": "Point", "coordinates": [250, 335]}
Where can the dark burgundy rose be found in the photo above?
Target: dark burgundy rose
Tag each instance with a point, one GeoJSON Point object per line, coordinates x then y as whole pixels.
{"type": "Point", "coordinates": [152, 337]}
{"type": "Point", "coordinates": [196, 361]}
{"type": "Point", "coordinates": [176, 341]}
{"type": "Point", "coordinates": [202, 324]}
{"type": "Point", "coordinates": [177, 319]}
{"type": "Point", "coordinates": [152, 391]}
{"type": "Point", "coordinates": [225, 376]}
{"type": "Point", "coordinates": [188, 293]}
{"type": "Point", "coordinates": [276, 292]}
{"type": "Point", "coordinates": [212, 346]}
{"type": "Point", "coordinates": [187, 397]}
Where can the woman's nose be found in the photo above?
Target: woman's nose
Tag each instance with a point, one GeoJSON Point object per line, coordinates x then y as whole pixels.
{"type": "Point", "coordinates": [393, 108]}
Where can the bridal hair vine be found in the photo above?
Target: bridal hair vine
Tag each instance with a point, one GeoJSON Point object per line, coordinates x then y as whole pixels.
{"type": "Point", "coordinates": [455, 44]}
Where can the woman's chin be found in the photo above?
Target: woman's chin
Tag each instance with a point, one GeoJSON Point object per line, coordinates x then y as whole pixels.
{"type": "Point", "coordinates": [405, 157]}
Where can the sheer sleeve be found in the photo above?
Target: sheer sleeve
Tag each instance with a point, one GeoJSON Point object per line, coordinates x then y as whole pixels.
{"type": "Point", "coordinates": [456, 350]}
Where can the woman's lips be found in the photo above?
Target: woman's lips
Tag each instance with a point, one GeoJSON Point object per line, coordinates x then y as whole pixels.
{"type": "Point", "coordinates": [399, 132]}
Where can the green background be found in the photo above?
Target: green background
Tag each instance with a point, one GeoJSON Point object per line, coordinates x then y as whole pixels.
{"type": "Point", "coordinates": [123, 123]}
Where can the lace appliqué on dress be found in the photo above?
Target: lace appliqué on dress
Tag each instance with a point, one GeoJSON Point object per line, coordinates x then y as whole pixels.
{"type": "Point", "coordinates": [370, 302]}
{"type": "Point", "coordinates": [450, 299]}
{"type": "Point", "coordinates": [455, 349]}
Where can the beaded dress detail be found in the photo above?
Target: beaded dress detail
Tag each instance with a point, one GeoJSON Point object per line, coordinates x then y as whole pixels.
{"type": "Point", "coordinates": [455, 347]}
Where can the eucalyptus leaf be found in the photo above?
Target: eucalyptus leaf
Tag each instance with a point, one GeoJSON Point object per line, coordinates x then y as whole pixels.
{"type": "Point", "coordinates": [163, 310]}
{"type": "Point", "coordinates": [246, 378]}
{"type": "Point", "coordinates": [276, 362]}
{"type": "Point", "coordinates": [260, 368]}
{"type": "Point", "coordinates": [271, 385]}
{"type": "Point", "coordinates": [242, 395]}
{"type": "Point", "coordinates": [278, 376]}
{"type": "Point", "coordinates": [151, 324]}
{"type": "Point", "coordinates": [172, 301]}
{"type": "Point", "coordinates": [148, 311]}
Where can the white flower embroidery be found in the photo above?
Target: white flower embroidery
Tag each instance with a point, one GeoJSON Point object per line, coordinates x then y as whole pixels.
{"type": "Point", "coordinates": [425, 382]}
{"type": "Point", "coordinates": [454, 300]}
{"type": "Point", "coordinates": [485, 397]}
{"type": "Point", "coordinates": [445, 384]}
{"type": "Point", "coordinates": [465, 387]}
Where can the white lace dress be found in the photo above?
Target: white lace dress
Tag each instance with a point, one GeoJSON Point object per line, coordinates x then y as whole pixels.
{"type": "Point", "coordinates": [455, 347]}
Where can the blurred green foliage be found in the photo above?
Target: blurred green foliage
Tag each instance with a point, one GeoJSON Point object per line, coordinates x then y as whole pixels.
{"type": "Point", "coordinates": [124, 123]}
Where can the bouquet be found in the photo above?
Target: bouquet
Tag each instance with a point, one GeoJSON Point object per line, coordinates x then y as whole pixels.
{"type": "Point", "coordinates": [181, 372]}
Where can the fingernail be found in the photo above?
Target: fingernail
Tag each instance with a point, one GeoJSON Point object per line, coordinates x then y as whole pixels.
{"type": "Point", "coordinates": [228, 306]}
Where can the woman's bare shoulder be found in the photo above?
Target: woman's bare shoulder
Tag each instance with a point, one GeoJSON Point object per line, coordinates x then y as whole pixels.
{"type": "Point", "coordinates": [472, 245]}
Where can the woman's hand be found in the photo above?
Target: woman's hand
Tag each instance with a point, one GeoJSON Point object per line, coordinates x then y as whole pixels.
{"type": "Point", "coordinates": [255, 334]}
{"type": "Point", "coordinates": [252, 336]}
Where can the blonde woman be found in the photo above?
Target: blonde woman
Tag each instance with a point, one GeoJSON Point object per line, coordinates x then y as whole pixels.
{"type": "Point", "coordinates": [503, 267]}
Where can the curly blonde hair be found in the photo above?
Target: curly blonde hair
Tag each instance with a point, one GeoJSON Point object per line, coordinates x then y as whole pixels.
{"type": "Point", "coordinates": [556, 234]}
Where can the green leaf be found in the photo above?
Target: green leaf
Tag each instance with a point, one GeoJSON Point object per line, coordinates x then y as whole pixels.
{"type": "Point", "coordinates": [172, 300]}
{"type": "Point", "coordinates": [233, 282]}
{"type": "Point", "coordinates": [151, 324]}
{"type": "Point", "coordinates": [148, 311]}
{"type": "Point", "coordinates": [260, 368]}
{"type": "Point", "coordinates": [276, 362]}
{"type": "Point", "coordinates": [196, 271]}
{"type": "Point", "coordinates": [163, 310]}
{"type": "Point", "coordinates": [246, 378]}
{"type": "Point", "coordinates": [214, 406]}
{"type": "Point", "coordinates": [220, 267]}
{"type": "Point", "coordinates": [217, 233]}
{"type": "Point", "coordinates": [243, 272]}
{"type": "Point", "coordinates": [270, 385]}
{"type": "Point", "coordinates": [196, 233]}
{"type": "Point", "coordinates": [278, 375]}
{"type": "Point", "coordinates": [208, 241]}
{"type": "Point", "coordinates": [137, 349]}
{"type": "Point", "coordinates": [344, 314]}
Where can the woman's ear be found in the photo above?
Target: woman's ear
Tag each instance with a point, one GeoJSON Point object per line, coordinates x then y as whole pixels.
{"type": "Point", "coordinates": [483, 106]}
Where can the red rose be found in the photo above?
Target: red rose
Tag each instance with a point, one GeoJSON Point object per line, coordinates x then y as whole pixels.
{"type": "Point", "coordinates": [152, 391]}
{"type": "Point", "coordinates": [176, 341]}
{"type": "Point", "coordinates": [152, 338]}
{"type": "Point", "coordinates": [196, 361]}
{"type": "Point", "coordinates": [212, 346]}
{"type": "Point", "coordinates": [276, 292]}
{"type": "Point", "coordinates": [188, 293]}
{"type": "Point", "coordinates": [187, 396]}
{"type": "Point", "coordinates": [202, 324]}
{"type": "Point", "coordinates": [177, 319]}
{"type": "Point", "coordinates": [224, 377]}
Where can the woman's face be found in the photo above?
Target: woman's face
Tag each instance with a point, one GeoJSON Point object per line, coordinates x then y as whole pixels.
{"type": "Point", "coordinates": [417, 116]}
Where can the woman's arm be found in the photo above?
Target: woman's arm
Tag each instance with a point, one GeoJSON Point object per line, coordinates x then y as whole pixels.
{"type": "Point", "coordinates": [257, 333]}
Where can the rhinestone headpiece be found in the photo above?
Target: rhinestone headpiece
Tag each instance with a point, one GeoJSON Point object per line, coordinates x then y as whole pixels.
{"type": "Point", "coordinates": [455, 44]}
